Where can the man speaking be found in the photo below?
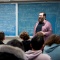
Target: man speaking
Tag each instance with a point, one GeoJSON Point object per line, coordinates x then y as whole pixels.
{"type": "Point", "coordinates": [43, 26]}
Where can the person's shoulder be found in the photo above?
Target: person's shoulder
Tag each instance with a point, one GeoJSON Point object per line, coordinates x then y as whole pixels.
{"type": "Point", "coordinates": [47, 21]}
{"type": "Point", "coordinates": [37, 22]}
{"type": "Point", "coordinates": [57, 47]}
{"type": "Point", "coordinates": [45, 57]}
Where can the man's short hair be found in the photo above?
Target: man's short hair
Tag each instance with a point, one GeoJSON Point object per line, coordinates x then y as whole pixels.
{"type": "Point", "coordinates": [44, 14]}
{"type": "Point", "coordinates": [37, 42]}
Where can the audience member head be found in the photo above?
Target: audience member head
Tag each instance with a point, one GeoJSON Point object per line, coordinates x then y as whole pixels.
{"type": "Point", "coordinates": [2, 36]}
{"type": "Point", "coordinates": [16, 43]}
{"type": "Point", "coordinates": [52, 39]}
{"type": "Point", "coordinates": [37, 41]}
{"type": "Point", "coordinates": [8, 52]}
{"type": "Point", "coordinates": [24, 35]}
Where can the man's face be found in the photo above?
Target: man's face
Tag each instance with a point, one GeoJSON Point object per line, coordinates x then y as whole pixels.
{"type": "Point", "coordinates": [41, 18]}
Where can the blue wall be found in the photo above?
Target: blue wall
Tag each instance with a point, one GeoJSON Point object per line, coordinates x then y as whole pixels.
{"type": "Point", "coordinates": [8, 19]}
{"type": "Point", "coordinates": [28, 16]}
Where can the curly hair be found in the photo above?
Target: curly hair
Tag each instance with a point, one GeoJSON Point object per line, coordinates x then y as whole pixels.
{"type": "Point", "coordinates": [24, 35]}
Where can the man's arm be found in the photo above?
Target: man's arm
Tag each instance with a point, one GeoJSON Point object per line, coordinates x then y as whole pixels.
{"type": "Point", "coordinates": [35, 29]}
{"type": "Point", "coordinates": [49, 30]}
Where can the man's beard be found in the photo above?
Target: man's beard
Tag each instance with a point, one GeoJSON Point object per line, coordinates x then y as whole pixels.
{"type": "Point", "coordinates": [40, 20]}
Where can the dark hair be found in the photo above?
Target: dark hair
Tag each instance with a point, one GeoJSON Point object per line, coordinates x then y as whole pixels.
{"type": "Point", "coordinates": [44, 14]}
{"type": "Point", "coordinates": [24, 35]}
{"type": "Point", "coordinates": [37, 42]}
{"type": "Point", "coordinates": [2, 35]}
{"type": "Point", "coordinates": [52, 39]}
{"type": "Point", "coordinates": [16, 43]}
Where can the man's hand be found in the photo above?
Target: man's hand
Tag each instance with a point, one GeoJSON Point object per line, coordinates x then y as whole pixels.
{"type": "Point", "coordinates": [42, 32]}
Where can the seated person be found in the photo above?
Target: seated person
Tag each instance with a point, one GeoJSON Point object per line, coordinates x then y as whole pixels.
{"type": "Point", "coordinates": [52, 47]}
{"type": "Point", "coordinates": [8, 52]}
{"type": "Point", "coordinates": [16, 43]}
{"type": "Point", "coordinates": [37, 45]}
{"type": "Point", "coordinates": [26, 42]}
